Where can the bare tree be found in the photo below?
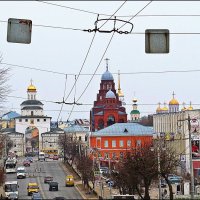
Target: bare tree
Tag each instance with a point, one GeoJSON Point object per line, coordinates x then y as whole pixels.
{"type": "Point", "coordinates": [85, 167]}
{"type": "Point", "coordinates": [169, 161]}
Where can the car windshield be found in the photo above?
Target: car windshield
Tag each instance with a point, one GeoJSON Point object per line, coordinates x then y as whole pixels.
{"type": "Point", "coordinates": [20, 171]}
{"type": "Point", "coordinates": [33, 187]}
{"type": "Point", "coordinates": [10, 187]}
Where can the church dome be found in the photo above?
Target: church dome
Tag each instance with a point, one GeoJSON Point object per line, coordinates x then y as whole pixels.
{"type": "Point", "coordinates": [110, 94]}
{"type": "Point", "coordinates": [173, 102]}
{"type": "Point", "coordinates": [107, 76]}
{"type": "Point", "coordinates": [31, 88]}
{"type": "Point", "coordinates": [164, 108]}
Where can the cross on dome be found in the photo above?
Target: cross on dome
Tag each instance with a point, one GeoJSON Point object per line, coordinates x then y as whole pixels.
{"type": "Point", "coordinates": [173, 94]}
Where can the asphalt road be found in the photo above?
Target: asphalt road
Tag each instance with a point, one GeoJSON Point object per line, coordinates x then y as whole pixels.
{"type": "Point", "coordinates": [49, 167]}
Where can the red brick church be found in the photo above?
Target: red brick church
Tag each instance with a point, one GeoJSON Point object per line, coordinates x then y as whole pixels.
{"type": "Point", "coordinates": [107, 109]}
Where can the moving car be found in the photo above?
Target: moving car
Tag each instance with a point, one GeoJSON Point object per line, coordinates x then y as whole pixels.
{"type": "Point", "coordinates": [51, 156]}
{"type": "Point", "coordinates": [53, 186]}
{"type": "Point", "coordinates": [55, 157]}
{"type": "Point", "coordinates": [29, 159]}
{"type": "Point", "coordinates": [12, 196]}
{"type": "Point", "coordinates": [32, 187]}
{"type": "Point", "coordinates": [21, 172]}
{"type": "Point", "coordinates": [69, 181]}
{"type": "Point", "coordinates": [48, 179]}
{"type": "Point", "coordinates": [26, 163]}
{"type": "Point", "coordinates": [36, 196]}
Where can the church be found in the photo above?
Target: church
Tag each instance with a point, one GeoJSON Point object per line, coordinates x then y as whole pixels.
{"type": "Point", "coordinates": [107, 109]}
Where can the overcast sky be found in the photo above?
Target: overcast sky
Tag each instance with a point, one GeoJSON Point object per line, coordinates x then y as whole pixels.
{"type": "Point", "coordinates": [63, 50]}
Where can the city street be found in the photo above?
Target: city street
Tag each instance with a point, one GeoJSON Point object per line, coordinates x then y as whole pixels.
{"type": "Point", "coordinates": [50, 167]}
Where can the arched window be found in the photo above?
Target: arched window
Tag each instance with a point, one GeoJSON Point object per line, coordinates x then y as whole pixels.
{"type": "Point", "coordinates": [100, 124]}
{"type": "Point", "coordinates": [111, 120]}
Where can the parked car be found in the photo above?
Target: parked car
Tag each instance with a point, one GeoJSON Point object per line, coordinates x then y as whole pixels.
{"type": "Point", "coordinates": [53, 186]}
{"type": "Point", "coordinates": [26, 163]}
{"type": "Point", "coordinates": [29, 159]}
{"type": "Point", "coordinates": [48, 179]}
{"type": "Point", "coordinates": [55, 157]}
{"type": "Point", "coordinates": [36, 196]}
{"type": "Point", "coordinates": [110, 182]}
{"type": "Point", "coordinates": [103, 170]}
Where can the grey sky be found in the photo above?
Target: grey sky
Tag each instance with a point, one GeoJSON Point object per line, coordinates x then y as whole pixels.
{"type": "Point", "coordinates": [64, 51]}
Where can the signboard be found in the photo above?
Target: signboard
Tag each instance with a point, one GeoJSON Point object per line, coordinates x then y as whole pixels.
{"type": "Point", "coordinates": [19, 31]}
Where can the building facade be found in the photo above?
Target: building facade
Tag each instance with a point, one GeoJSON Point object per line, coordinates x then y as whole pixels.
{"type": "Point", "coordinates": [107, 109]}
{"type": "Point", "coordinates": [173, 125]}
{"type": "Point", "coordinates": [116, 140]}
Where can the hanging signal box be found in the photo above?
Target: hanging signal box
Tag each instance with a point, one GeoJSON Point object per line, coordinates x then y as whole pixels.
{"type": "Point", "coordinates": [157, 41]}
{"type": "Point", "coordinates": [19, 31]}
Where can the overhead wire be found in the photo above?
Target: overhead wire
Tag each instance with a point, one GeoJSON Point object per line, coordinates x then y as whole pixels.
{"type": "Point", "coordinates": [115, 73]}
{"type": "Point", "coordinates": [63, 97]}
{"type": "Point", "coordinates": [101, 57]}
{"type": "Point", "coordinates": [127, 16]}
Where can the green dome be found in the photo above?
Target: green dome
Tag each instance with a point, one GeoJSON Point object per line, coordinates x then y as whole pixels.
{"type": "Point", "coordinates": [135, 112]}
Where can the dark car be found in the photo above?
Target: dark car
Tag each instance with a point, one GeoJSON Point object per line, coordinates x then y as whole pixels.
{"type": "Point", "coordinates": [53, 186]}
{"type": "Point", "coordinates": [48, 179]}
{"type": "Point", "coordinates": [26, 163]}
{"type": "Point", "coordinates": [29, 159]}
{"type": "Point", "coordinates": [36, 196]}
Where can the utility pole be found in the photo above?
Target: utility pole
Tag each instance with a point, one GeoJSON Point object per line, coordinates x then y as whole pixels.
{"type": "Point", "coordinates": [191, 163]}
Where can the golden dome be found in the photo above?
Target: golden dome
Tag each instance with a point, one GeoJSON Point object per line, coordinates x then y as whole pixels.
{"type": "Point", "coordinates": [31, 88]}
{"type": "Point", "coordinates": [165, 108]}
{"type": "Point", "coordinates": [184, 108]}
{"type": "Point", "coordinates": [173, 102]}
{"type": "Point", "coordinates": [190, 108]}
{"type": "Point", "coordinates": [134, 100]}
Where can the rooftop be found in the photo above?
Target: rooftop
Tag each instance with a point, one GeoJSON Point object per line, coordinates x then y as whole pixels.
{"type": "Point", "coordinates": [122, 129]}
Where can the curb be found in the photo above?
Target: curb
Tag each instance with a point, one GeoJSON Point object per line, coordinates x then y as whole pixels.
{"type": "Point", "coordinates": [83, 196]}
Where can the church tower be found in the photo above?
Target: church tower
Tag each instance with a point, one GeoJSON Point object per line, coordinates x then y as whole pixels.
{"type": "Point", "coordinates": [107, 108]}
{"type": "Point", "coordinates": [120, 93]}
{"type": "Point", "coordinates": [135, 113]}
{"type": "Point", "coordinates": [173, 105]}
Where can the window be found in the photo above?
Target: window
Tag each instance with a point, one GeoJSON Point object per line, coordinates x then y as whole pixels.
{"type": "Point", "coordinates": [138, 143]}
{"type": "Point", "coordinates": [106, 143]}
{"type": "Point", "coordinates": [128, 143]}
{"type": "Point", "coordinates": [79, 138]}
{"type": "Point", "coordinates": [106, 155]}
{"type": "Point", "coordinates": [32, 121]}
{"type": "Point", "coordinates": [45, 120]}
{"type": "Point", "coordinates": [98, 140]}
{"type": "Point", "coordinates": [113, 143]}
{"type": "Point", "coordinates": [121, 143]}
{"type": "Point", "coordinates": [20, 120]}
{"type": "Point", "coordinates": [31, 113]}
{"type": "Point", "coordinates": [26, 120]}
{"type": "Point", "coordinates": [38, 120]}
{"type": "Point", "coordinates": [121, 154]}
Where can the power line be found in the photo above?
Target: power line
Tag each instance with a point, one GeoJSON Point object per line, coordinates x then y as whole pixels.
{"type": "Point", "coordinates": [104, 14]}
{"type": "Point", "coordinates": [115, 73]}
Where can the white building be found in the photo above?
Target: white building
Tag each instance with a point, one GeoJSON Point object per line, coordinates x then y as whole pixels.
{"type": "Point", "coordinates": [172, 124]}
{"type": "Point", "coordinates": [32, 117]}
